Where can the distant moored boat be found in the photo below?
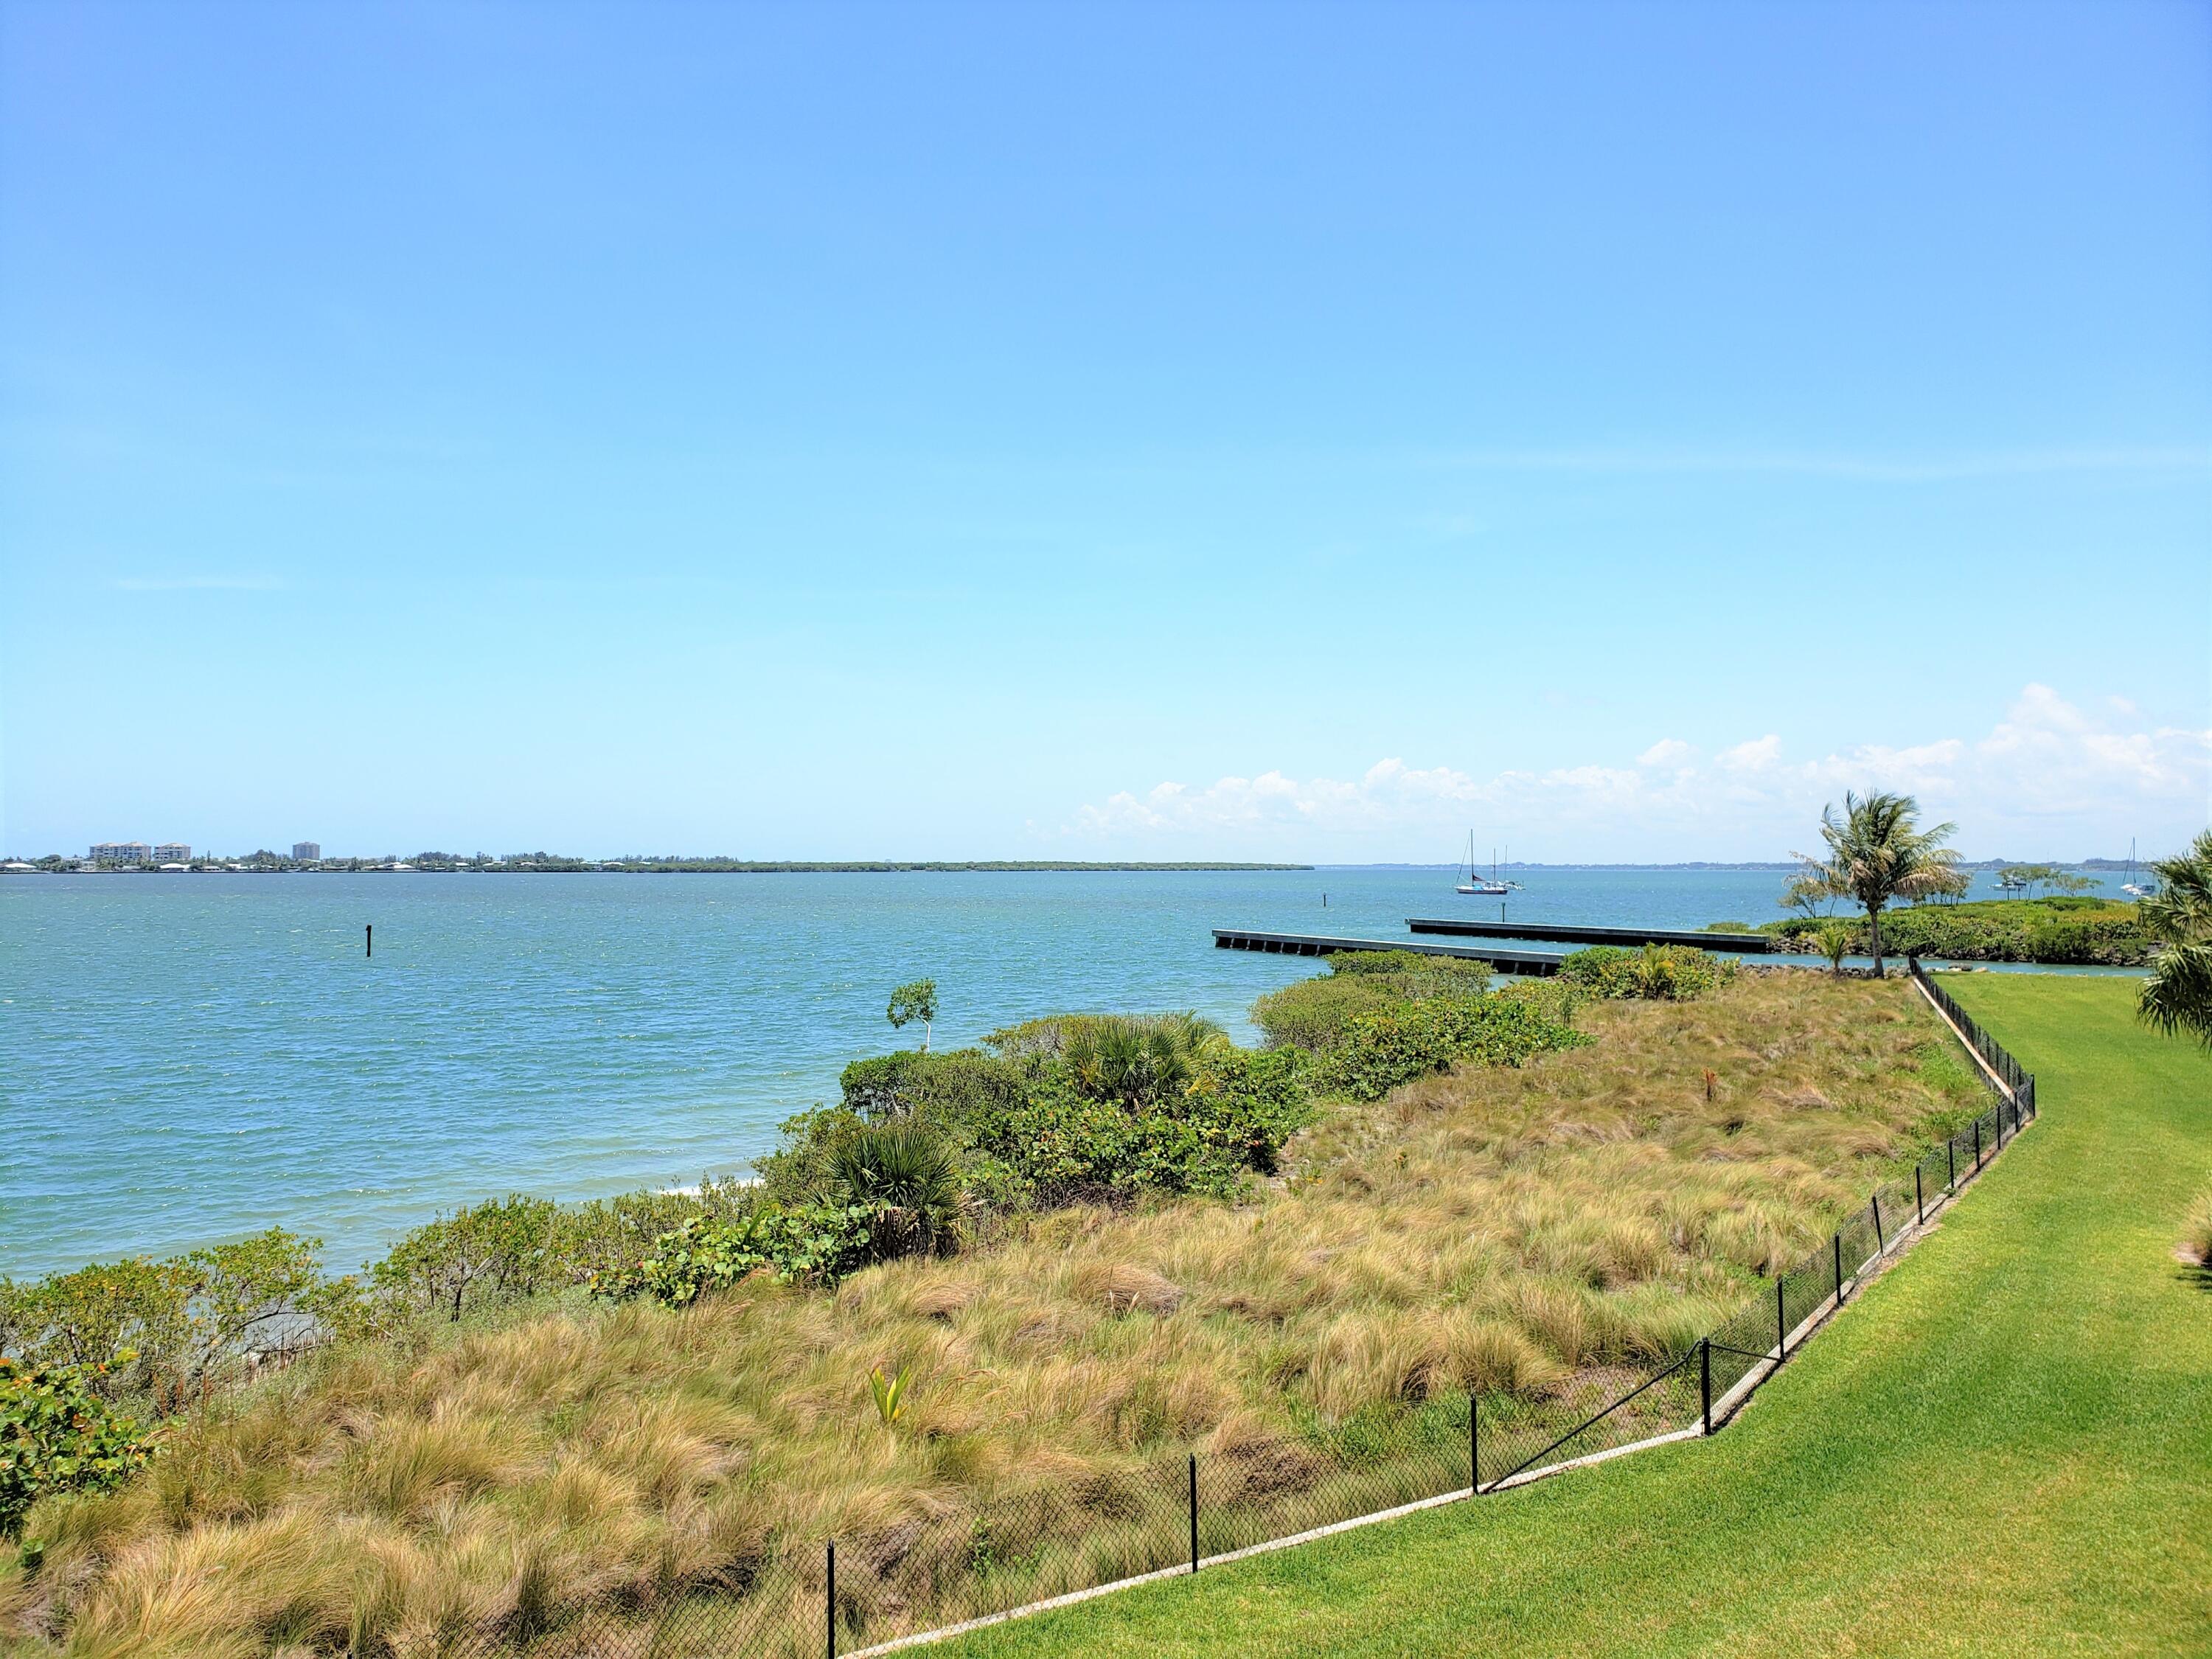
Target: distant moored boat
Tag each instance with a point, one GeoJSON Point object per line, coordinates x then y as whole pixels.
{"type": "Point", "coordinates": [1470, 883]}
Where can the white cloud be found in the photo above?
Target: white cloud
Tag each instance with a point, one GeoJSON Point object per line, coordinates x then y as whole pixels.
{"type": "Point", "coordinates": [2048, 778]}
{"type": "Point", "coordinates": [1753, 756]}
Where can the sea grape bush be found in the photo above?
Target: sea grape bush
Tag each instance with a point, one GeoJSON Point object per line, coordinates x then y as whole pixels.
{"type": "Point", "coordinates": [57, 1435]}
{"type": "Point", "coordinates": [817, 1245]}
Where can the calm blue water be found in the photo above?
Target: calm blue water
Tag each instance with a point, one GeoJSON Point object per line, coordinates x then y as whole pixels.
{"type": "Point", "coordinates": [186, 1059]}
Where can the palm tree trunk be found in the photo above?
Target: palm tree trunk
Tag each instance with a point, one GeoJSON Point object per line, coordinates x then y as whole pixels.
{"type": "Point", "coordinates": [1874, 937]}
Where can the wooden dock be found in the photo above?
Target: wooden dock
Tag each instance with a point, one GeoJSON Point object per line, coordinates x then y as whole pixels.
{"type": "Point", "coordinates": [1746, 944]}
{"type": "Point", "coordinates": [1504, 959]}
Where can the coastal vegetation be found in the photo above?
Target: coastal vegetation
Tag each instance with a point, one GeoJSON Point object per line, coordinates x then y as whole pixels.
{"type": "Point", "coordinates": [634, 863]}
{"type": "Point", "coordinates": [1035, 1266]}
{"type": "Point", "coordinates": [57, 1435]}
{"type": "Point", "coordinates": [915, 1000]}
{"type": "Point", "coordinates": [2177, 995]}
{"type": "Point", "coordinates": [2079, 930]}
{"type": "Point", "coordinates": [1660, 973]}
{"type": "Point", "coordinates": [1998, 1448]}
{"type": "Point", "coordinates": [1877, 853]}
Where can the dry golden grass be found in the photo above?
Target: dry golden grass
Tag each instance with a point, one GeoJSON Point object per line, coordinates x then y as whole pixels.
{"type": "Point", "coordinates": [1496, 1230]}
{"type": "Point", "coordinates": [2197, 1232]}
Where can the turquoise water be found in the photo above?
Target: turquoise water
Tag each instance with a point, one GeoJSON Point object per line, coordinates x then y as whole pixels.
{"type": "Point", "coordinates": [186, 1059]}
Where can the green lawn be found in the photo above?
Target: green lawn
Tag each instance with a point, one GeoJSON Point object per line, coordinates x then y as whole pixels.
{"type": "Point", "coordinates": [2004, 1447]}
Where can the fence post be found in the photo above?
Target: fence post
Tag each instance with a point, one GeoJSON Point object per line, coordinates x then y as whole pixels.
{"type": "Point", "coordinates": [1977, 1145]}
{"type": "Point", "coordinates": [1880, 1244]}
{"type": "Point", "coordinates": [1781, 1321]}
{"type": "Point", "coordinates": [1951, 1162]}
{"type": "Point", "coordinates": [1705, 1379]}
{"type": "Point", "coordinates": [829, 1598]}
{"type": "Point", "coordinates": [1919, 1199]}
{"type": "Point", "coordinates": [1473, 1446]}
{"type": "Point", "coordinates": [1839, 1242]}
{"type": "Point", "coordinates": [1194, 1511]}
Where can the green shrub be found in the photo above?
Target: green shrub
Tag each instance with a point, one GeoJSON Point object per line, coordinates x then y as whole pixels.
{"type": "Point", "coordinates": [2085, 931]}
{"type": "Point", "coordinates": [57, 1435]}
{"type": "Point", "coordinates": [610, 1235]}
{"type": "Point", "coordinates": [1314, 1014]}
{"type": "Point", "coordinates": [815, 1244]}
{"type": "Point", "coordinates": [1034, 1042]}
{"type": "Point", "coordinates": [1066, 1145]}
{"type": "Point", "coordinates": [1072, 1108]}
{"type": "Point", "coordinates": [1660, 972]}
{"type": "Point", "coordinates": [497, 1250]}
{"type": "Point", "coordinates": [942, 1089]}
{"type": "Point", "coordinates": [1381, 1050]}
{"type": "Point", "coordinates": [160, 1329]}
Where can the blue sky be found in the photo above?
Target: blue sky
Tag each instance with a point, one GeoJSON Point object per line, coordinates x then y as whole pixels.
{"type": "Point", "coordinates": [949, 431]}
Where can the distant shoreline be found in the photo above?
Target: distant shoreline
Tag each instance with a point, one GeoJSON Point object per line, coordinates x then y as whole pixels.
{"type": "Point", "coordinates": [665, 867]}
{"type": "Point", "coordinates": [1781, 867]}
{"type": "Point", "coordinates": [557, 865]}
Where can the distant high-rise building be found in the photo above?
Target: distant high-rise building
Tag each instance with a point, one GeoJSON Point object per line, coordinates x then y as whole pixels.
{"type": "Point", "coordinates": [307, 851]}
{"type": "Point", "coordinates": [121, 852]}
{"type": "Point", "coordinates": [172, 852]}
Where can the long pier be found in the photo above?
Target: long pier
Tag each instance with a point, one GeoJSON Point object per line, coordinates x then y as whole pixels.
{"type": "Point", "coordinates": [1748, 944]}
{"type": "Point", "coordinates": [1505, 959]}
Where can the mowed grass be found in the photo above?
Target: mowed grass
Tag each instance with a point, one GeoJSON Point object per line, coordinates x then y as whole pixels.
{"type": "Point", "coordinates": [2004, 1447]}
{"type": "Point", "coordinates": [1498, 1230]}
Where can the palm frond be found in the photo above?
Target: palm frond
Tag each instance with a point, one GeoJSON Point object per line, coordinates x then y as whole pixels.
{"type": "Point", "coordinates": [2177, 995]}
{"type": "Point", "coordinates": [2181, 911]}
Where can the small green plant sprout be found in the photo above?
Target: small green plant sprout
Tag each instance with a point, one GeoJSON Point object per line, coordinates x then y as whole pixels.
{"type": "Point", "coordinates": [1833, 941]}
{"type": "Point", "coordinates": [889, 1393]}
{"type": "Point", "coordinates": [916, 1000]}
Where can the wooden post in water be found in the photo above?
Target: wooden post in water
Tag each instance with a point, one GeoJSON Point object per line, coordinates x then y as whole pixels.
{"type": "Point", "coordinates": [369, 940]}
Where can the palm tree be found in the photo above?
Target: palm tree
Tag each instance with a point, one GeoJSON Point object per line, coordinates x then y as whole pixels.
{"type": "Point", "coordinates": [912, 1174]}
{"type": "Point", "coordinates": [1136, 1061]}
{"type": "Point", "coordinates": [2177, 995]}
{"type": "Point", "coordinates": [1877, 853]}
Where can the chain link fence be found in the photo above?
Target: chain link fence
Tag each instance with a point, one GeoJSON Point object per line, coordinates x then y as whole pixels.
{"type": "Point", "coordinates": [1027, 1544]}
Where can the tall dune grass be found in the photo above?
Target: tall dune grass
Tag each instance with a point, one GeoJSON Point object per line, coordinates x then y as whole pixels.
{"type": "Point", "coordinates": [1501, 1230]}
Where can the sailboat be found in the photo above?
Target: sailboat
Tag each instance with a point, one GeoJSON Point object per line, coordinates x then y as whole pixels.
{"type": "Point", "coordinates": [1475, 886]}
{"type": "Point", "coordinates": [2131, 886]}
